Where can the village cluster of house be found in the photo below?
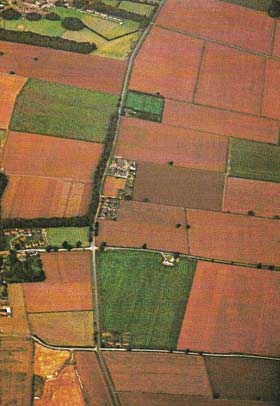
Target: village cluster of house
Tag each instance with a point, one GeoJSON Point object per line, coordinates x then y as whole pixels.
{"type": "Point", "coordinates": [5, 308]}
{"type": "Point", "coordinates": [109, 208]}
{"type": "Point", "coordinates": [26, 238]}
{"type": "Point", "coordinates": [114, 339]}
{"type": "Point", "coordinates": [124, 169]}
{"type": "Point", "coordinates": [121, 168]}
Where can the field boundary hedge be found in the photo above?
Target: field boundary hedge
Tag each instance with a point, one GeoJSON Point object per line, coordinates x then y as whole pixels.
{"type": "Point", "coordinates": [30, 38]}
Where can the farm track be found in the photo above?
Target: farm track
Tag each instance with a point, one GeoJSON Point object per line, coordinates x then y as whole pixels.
{"type": "Point", "coordinates": [101, 361]}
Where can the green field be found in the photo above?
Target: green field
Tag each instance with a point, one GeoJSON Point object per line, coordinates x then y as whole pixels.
{"type": "Point", "coordinates": [43, 27]}
{"type": "Point", "coordinates": [110, 29]}
{"type": "Point", "coordinates": [3, 134]}
{"type": "Point", "coordinates": [143, 297]}
{"type": "Point", "coordinates": [64, 111]}
{"type": "Point", "coordinates": [254, 160]}
{"type": "Point", "coordinates": [137, 8]}
{"type": "Point", "coordinates": [261, 5]}
{"type": "Point", "coordinates": [119, 48]}
{"type": "Point", "coordinates": [112, 47]}
{"type": "Point", "coordinates": [56, 236]}
{"type": "Point", "coordinates": [146, 106]}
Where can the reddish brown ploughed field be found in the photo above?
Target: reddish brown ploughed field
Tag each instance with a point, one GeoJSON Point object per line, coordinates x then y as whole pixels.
{"type": "Point", "coordinates": [271, 95]}
{"type": "Point", "coordinates": [231, 79]}
{"type": "Point", "coordinates": [174, 186]}
{"type": "Point", "coordinates": [95, 389]}
{"type": "Point", "coordinates": [152, 399]}
{"type": "Point", "coordinates": [31, 197]}
{"type": "Point", "coordinates": [220, 21]}
{"type": "Point", "coordinates": [243, 195]}
{"type": "Point", "coordinates": [39, 155]}
{"type": "Point", "coordinates": [142, 140]}
{"type": "Point", "coordinates": [234, 237]}
{"type": "Point", "coordinates": [220, 122]}
{"type": "Point", "coordinates": [88, 72]}
{"type": "Point", "coordinates": [232, 309]}
{"type": "Point", "coordinates": [10, 86]}
{"type": "Point", "coordinates": [67, 267]}
{"type": "Point", "coordinates": [170, 70]}
{"type": "Point", "coordinates": [146, 223]}
{"type": "Point", "coordinates": [244, 378]}
{"type": "Point", "coordinates": [112, 185]}
{"type": "Point", "coordinates": [54, 297]}
{"type": "Point", "coordinates": [159, 373]}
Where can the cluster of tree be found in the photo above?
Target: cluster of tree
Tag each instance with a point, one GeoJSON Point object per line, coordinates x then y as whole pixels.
{"type": "Point", "coordinates": [53, 17]}
{"type": "Point", "coordinates": [10, 14]}
{"type": "Point", "coordinates": [33, 16]}
{"type": "Point", "coordinates": [98, 175]}
{"type": "Point", "coordinates": [18, 270]}
{"type": "Point", "coordinates": [3, 183]}
{"type": "Point", "coordinates": [30, 38]}
{"type": "Point", "coordinates": [274, 9]}
{"type": "Point", "coordinates": [72, 24]}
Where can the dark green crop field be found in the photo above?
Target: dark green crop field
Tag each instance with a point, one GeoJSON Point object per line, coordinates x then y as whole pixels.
{"type": "Point", "coordinates": [141, 296]}
{"type": "Point", "coordinates": [254, 160]}
{"type": "Point", "coordinates": [64, 111]}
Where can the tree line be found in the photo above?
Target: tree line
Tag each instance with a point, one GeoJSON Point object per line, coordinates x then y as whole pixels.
{"type": "Point", "coordinates": [31, 38]}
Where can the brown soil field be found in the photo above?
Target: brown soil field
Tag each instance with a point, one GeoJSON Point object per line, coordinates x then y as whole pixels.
{"type": "Point", "coordinates": [170, 70]}
{"type": "Point", "coordinates": [10, 86]}
{"type": "Point", "coordinates": [16, 370]}
{"type": "Point", "coordinates": [54, 297]}
{"type": "Point", "coordinates": [141, 140]}
{"type": "Point", "coordinates": [271, 95]}
{"type": "Point", "coordinates": [231, 79]}
{"type": "Point", "coordinates": [39, 155]}
{"type": "Point", "coordinates": [174, 186]}
{"type": "Point", "coordinates": [240, 378]}
{"type": "Point", "coordinates": [18, 324]}
{"type": "Point", "coordinates": [276, 48]}
{"type": "Point", "coordinates": [154, 399]}
{"type": "Point", "coordinates": [31, 197]}
{"type": "Point", "coordinates": [159, 373]}
{"type": "Point", "coordinates": [95, 389]}
{"type": "Point", "coordinates": [47, 362]}
{"type": "Point", "coordinates": [88, 72]}
{"type": "Point", "coordinates": [242, 195]}
{"type": "Point", "coordinates": [232, 309]}
{"type": "Point", "coordinates": [220, 21]}
{"type": "Point", "coordinates": [112, 185]}
{"type": "Point", "coordinates": [64, 390]}
{"type": "Point", "coordinates": [221, 122]}
{"type": "Point", "coordinates": [234, 237]}
{"type": "Point", "coordinates": [64, 328]}
{"type": "Point", "coordinates": [67, 267]}
{"type": "Point", "coordinates": [146, 223]}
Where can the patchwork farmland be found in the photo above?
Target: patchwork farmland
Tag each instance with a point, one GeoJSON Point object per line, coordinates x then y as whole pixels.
{"type": "Point", "coordinates": [62, 67]}
{"type": "Point", "coordinates": [239, 317]}
{"type": "Point", "coordinates": [160, 176]}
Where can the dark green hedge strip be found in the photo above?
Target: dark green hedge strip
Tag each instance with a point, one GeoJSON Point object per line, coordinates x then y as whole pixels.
{"type": "Point", "coordinates": [30, 38]}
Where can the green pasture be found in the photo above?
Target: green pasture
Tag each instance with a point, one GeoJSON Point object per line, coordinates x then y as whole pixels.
{"type": "Point", "coordinates": [254, 160]}
{"type": "Point", "coordinates": [141, 296]}
{"type": "Point", "coordinates": [64, 111]}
